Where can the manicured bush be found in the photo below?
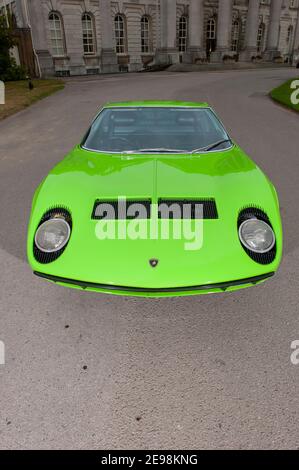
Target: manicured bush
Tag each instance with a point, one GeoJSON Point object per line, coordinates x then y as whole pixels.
{"type": "Point", "coordinates": [228, 58]}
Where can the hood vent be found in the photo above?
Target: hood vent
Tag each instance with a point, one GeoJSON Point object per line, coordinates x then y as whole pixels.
{"type": "Point", "coordinates": [197, 208]}
{"type": "Point", "coordinates": [126, 209]}
{"type": "Point", "coordinates": [167, 209]}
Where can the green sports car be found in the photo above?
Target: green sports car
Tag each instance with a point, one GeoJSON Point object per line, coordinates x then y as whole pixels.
{"type": "Point", "coordinates": [157, 200]}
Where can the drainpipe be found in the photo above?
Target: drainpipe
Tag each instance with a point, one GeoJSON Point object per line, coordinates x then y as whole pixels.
{"type": "Point", "coordinates": [30, 28]}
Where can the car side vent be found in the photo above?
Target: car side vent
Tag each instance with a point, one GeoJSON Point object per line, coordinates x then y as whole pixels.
{"type": "Point", "coordinates": [187, 208]}
{"type": "Point", "coordinates": [121, 209]}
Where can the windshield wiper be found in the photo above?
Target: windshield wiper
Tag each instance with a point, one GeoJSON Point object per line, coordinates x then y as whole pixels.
{"type": "Point", "coordinates": [161, 150]}
{"type": "Point", "coordinates": [207, 148]}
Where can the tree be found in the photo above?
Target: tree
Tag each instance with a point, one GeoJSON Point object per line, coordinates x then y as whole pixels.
{"type": "Point", "coordinates": [9, 70]}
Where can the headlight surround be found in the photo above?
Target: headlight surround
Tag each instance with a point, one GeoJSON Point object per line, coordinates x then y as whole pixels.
{"type": "Point", "coordinates": [52, 235]}
{"type": "Point", "coordinates": [256, 235]}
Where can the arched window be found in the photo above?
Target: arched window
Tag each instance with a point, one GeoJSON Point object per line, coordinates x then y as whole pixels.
{"type": "Point", "coordinates": [56, 34]}
{"type": "Point", "coordinates": [89, 41]}
{"type": "Point", "coordinates": [210, 36]}
{"type": "Point", "coordinates": [235, 36]}
{"type": "Point", "coordinates": [211, 29]}
{"type": "Point", "coordinates": [183, 33]}
{"type": "Point", "coordinates": [120, 34]}
{"type": "Point", "coordinates": [145, 34]}
{"type": "Point", "coordinates": [260, 37]}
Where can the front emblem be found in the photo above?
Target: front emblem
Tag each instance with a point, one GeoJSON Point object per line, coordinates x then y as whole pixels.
{"type": "Point", "coordinates": [153, 262]}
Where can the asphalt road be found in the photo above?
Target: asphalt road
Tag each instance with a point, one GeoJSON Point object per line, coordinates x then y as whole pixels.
{"type": "Point", "coordinates": [210, 371]}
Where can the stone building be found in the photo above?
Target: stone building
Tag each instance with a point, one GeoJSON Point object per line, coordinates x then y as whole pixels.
{"type": "Point", "coordinates": [74, 37]}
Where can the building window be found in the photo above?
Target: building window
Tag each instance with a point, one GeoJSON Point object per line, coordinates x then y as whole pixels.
{"type": "Point", "coordinates": [56, 34]}
{"type": "Point", "coordinates": [235, 36]}
{"type": "Point", "coordinates": [120, 34]}
{"type": "Point", "coordinates": [260, 37]}
{"type": "Point", "coordinates": [293, 3]}
{"type": "Point", "coordinates": [89, 43]}
{"type": "Point", "coordinates": [183, 34]}
{"type": "Point", "coordinates": [211, 29]}
{"type": "Point", "coordinates": [145, 34]}
{"type": "Point", "coordinates": [210, 37]}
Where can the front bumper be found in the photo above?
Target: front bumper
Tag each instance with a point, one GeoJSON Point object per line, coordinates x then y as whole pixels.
{"type": "Point", "coordinates": [158, 292]}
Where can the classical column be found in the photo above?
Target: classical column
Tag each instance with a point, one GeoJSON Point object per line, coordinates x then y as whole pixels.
{"type": "Point", "coordinates": [296, 45]}
{"type": "Point", "coordinates": [168, 52]}
{"type": "Point", "coordinates": [273, 31]}
{"type": "Point", "coordinates": [224, 29]}
{"type": "Point", "coordinates": [196, 21]}
{"type": "Point", "coordinates": [21, 14]}
{"type": "Point", "coordinates": [108, 56]}
{"type": "Point", "coordinates": [252, 24]}
{"type": "Point", "coordinates": [35, 21]}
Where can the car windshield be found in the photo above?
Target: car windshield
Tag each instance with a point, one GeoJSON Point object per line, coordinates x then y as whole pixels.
{"type": "Point", "coordinates": [156, 130]}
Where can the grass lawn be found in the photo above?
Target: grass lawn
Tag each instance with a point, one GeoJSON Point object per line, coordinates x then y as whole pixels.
{"type": "Point", "coordinates": [283, 93]}
{"type": "Point", "coordinates": [18, 95]}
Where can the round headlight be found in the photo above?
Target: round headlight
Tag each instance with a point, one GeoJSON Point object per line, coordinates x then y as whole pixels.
{"type": "Point", "coordinates": [256, 235]}
{"type": "Point", "coordinates": [52, 235]}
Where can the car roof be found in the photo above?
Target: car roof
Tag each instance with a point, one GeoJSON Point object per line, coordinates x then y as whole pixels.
{"type": "Point", "coordinates": [157, 103]}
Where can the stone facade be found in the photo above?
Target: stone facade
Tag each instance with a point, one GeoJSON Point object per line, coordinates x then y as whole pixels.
{"type": "Point", "coordinates": [75, 37]}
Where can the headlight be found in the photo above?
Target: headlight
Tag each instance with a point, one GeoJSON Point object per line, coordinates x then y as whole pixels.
{"type": "Point", "coordinates": [52, 235]}
{"type": "Point", "coordinates": [256, 235]}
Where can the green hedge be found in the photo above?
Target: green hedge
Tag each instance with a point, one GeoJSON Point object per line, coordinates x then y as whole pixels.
{"type": "Point", "coordinates": [283, 93]}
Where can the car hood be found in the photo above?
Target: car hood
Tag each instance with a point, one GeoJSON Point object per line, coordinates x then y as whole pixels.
{"type": "Point", "coordinates": [218, 175]}
{"type": "Point", "coordinates": [229, 177]}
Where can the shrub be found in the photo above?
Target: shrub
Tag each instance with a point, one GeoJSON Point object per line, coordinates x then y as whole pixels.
{"type": "Point", "coordinates": [278, 59]}
{"type": "Point", "coordinates": [227, 57]}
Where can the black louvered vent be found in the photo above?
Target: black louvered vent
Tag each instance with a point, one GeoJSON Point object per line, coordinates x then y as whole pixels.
{"type": "Point", "coordinates": [123, 209]}
{"type": "Point", "coordinates": [249, 212]}
{"type": "Point", "coordinates": [167, 209]}
{"type": "Point", "coordinates": [200, 208]}
{"type": "Point", "coordinates": [39, 255]}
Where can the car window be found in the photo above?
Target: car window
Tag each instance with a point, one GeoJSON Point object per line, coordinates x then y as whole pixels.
{"type": "Point", "coordinates": [150, 129]}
